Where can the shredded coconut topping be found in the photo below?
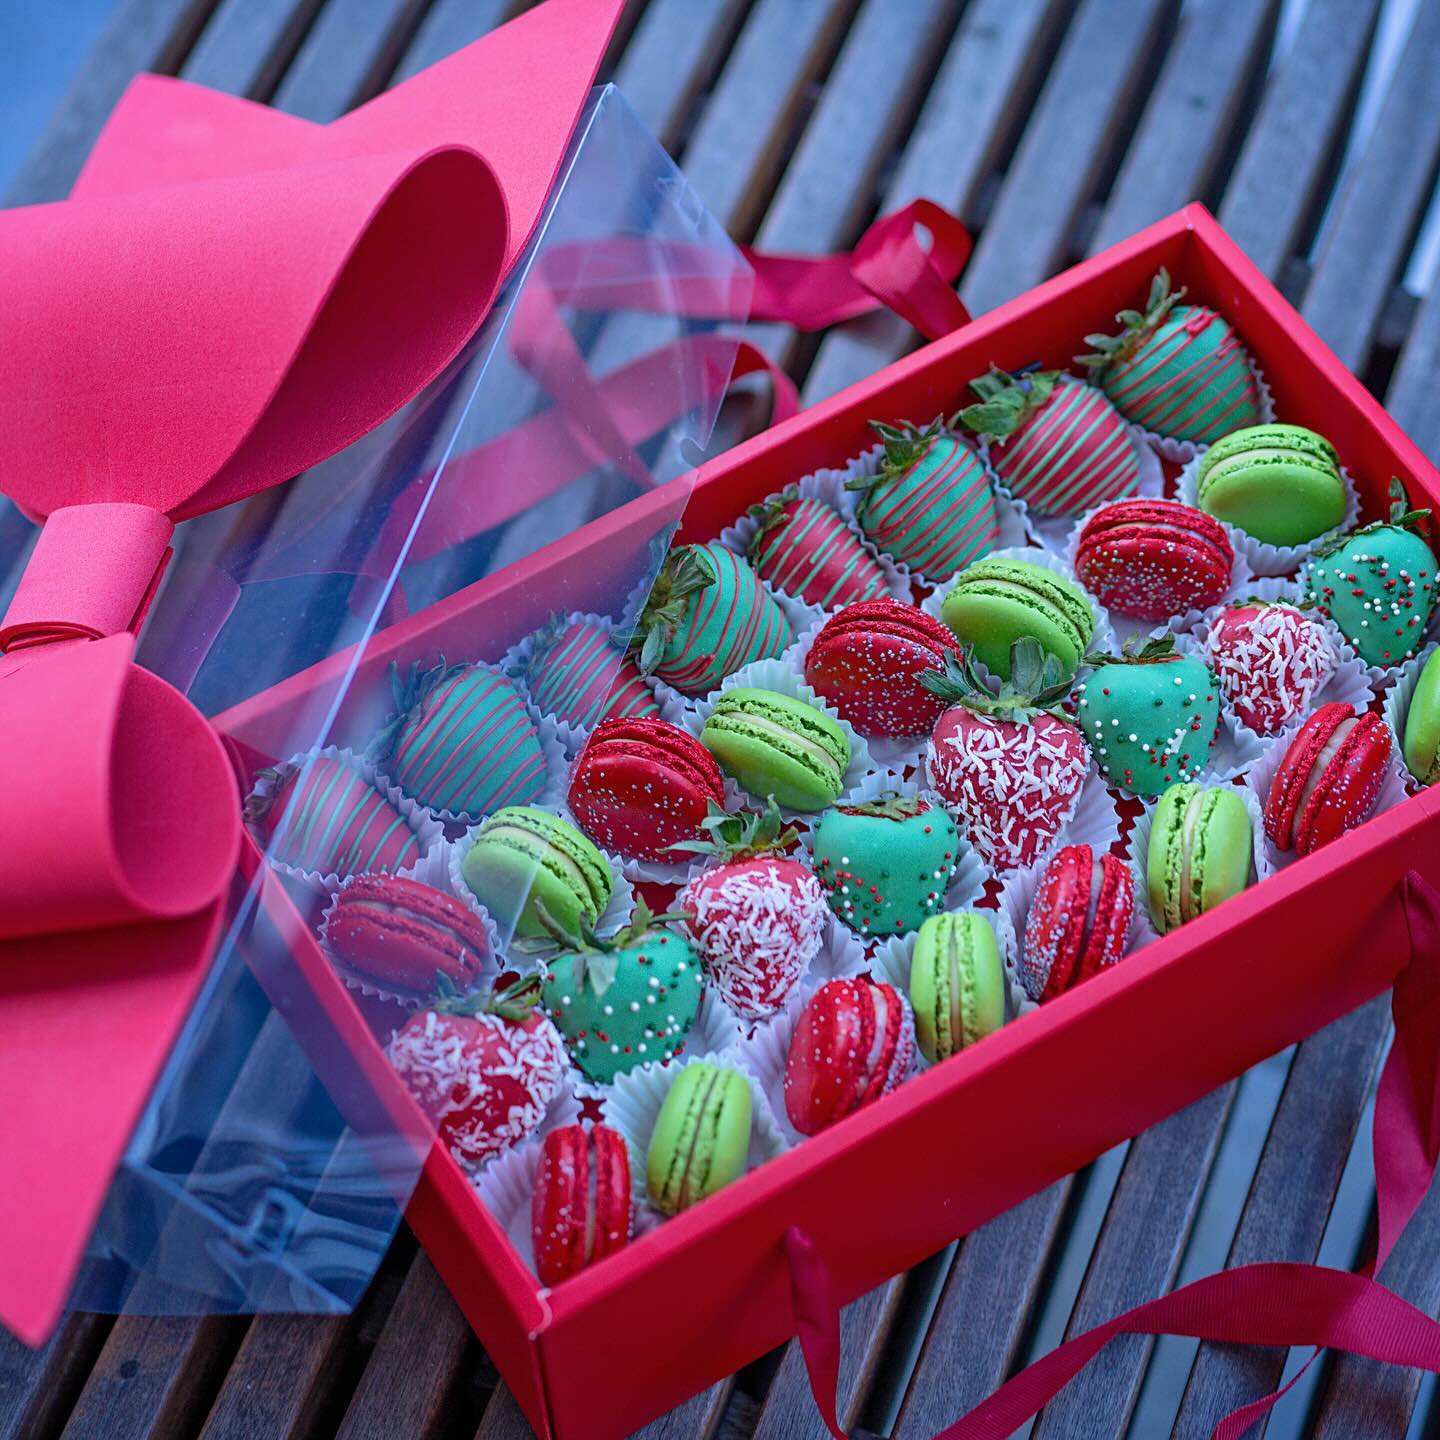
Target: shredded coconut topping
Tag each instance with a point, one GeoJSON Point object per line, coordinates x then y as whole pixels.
{"type": "Point", "coordinates": [1270, 663]}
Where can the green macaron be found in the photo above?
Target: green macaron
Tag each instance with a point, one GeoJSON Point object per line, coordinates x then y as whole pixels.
{"type": "Point", "coordinates": [957, 984]}
{"type": "Point", "coordinates": [701, 1138]}
{"type": "Point", "coordinates": [1200, 847]}
{"type": "Point", "coordinates": [1279, 483]}
{"type": "Point", "coordinates": [523, 856]}
{"type": "Point", "coordinates": [1422, 725]}
{"type": "Point", "coordinates": [997, 601]}
{"type": "Point", "coordinates": [774, 744]}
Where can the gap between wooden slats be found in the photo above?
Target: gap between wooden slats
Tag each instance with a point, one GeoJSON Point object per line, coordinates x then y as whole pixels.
{"type": "Point", "coordinates": [248, 44]}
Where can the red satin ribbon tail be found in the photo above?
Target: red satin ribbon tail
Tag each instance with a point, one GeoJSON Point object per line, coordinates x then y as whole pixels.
{"type": "Point", "coordinates": [817, 1323]}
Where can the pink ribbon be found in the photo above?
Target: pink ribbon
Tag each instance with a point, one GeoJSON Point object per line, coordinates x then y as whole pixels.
{"type": "Point", "coordinates": [1264, 1304]}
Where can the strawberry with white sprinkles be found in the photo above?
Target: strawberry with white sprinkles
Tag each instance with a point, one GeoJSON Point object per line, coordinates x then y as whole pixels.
{"type": "Point", "coordinates": [1010, 766]}
{"type": "Point", "coordinates": [1270, 661]}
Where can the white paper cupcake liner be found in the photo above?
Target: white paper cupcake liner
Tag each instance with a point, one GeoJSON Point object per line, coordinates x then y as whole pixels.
{"type": "Point", "coordinates": [632, 1107]}
{"type": "Point", "coordinates": [427, 829]}
{"type": "Point", "coordinates": [1181, 452]}
{"type": "Point", "coordinates": [780, 676]}
{"type": "Point", "coordinates": [1272, 559]}
{"type": "Point", "coordinates": [827, 486]}
{"type": "Point", "coordinates": [1137, 851]}
{"type": "Point", "coordinates": [506, 1188]}
{"type": "Point", "coordinates": [1350, 683]}
{"type": "Point", "coordinates": [517, 658]}
{"type": "Point", "coordinates": [1262, 775]}
{"type": "Point", "coordinates": [1053, 531]}
{"type": "Point", "coordinates": [1397, 709]}
{"type": "Point", "coordinates": [1128, 627]}
{"type": "Point", "coordinates": [433, 870]}
{"type": "Point", "coordinates": [615, 916]}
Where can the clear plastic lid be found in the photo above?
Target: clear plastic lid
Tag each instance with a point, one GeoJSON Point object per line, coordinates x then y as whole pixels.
{"type": "Point", "coordinates": [278, 1151]}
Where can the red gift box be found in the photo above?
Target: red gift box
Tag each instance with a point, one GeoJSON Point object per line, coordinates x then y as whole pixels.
{"type": "Point", "coordinates": [711, 1290]}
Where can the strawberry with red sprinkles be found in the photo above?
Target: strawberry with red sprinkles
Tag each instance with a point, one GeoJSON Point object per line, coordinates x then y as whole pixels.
{"type": "Point", "coordinates": [1271, 660]}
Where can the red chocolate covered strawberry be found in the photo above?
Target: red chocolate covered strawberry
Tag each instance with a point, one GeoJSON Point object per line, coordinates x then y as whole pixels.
{"type": "Point", "coordinates": [1329, 780]}
{"type": "Point", "coordinates": [580, 1211]}
{"type": "Point", "coordinates": [758, 917]}
{"type": "Point", "coordinates": [1009, 766]}
{"type": "Point", "coordinates": [1270, 660]}
{"type": "Point", "coordinates": [402, 935]}
{"type": "Point", "coordinates": [641, 786]}
{"type": "Point", "coordinates": [868, 660]}
{"type": "Point", "coordinates": [1154, 558]}
{"type": "Point", "coordinates": [484, 1068]}
{"type": "Point", "coordinates": [806, 549]}
{"type": "Point", "coordinates": [1079, 921]}
{"type": "Point", "coordinates": [854, 1041]}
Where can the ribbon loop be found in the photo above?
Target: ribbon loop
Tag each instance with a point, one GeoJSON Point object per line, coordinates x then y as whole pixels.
{"type": "Point", "coordinates": [93, 572]}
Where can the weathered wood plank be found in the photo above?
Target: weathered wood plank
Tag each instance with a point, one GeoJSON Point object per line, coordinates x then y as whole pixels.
{"type": "Point", "coordinates": [698, 1418]}
{"type": "Point", "coordinates": [1192, 120]}
{"type": "Point", "coordinates": [1135, 1259]}
{"type": "Point", "coordinates": [1411, 398]}
{"type": "Point", "coordinates": [1368, 236]}
{"type": "Point", "coordinates": [141, 35]}
{"type": "Point", "coordinates": [247, 45]}
{"type": "Point", "coordinates": [1103, 72]}
{"type": "Point", "coordinates": [789, 1412]}
{"type": "Point", "coordinates": [978, 1328]}
{"type": "Point", "coordinates": [448, 25]}
{"type": "Point", "coordinates": [350, 50]}
{"type": "Point", "coordinates": [739, 146]}
{"type": "Point", "coordinates": [1287, 164]}
{"type": "Point", "coordinates": [38, 1387]}
{"type": "Point", "coordinates": [977, 101]}
{"type": "Point", "coordinates": [1290, 1197]}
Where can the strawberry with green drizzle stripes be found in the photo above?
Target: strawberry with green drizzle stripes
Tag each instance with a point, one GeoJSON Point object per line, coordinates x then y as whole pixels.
{"type": "Point", "coordinates": [708, 614]}
{"type": "Point", "coordinates": [580, 674]}
{"type": "Point", "coordinates": [1009, 766]}
{"type": "Point", "coordinates": [323, 816]}
{"type": "Point", "coordinates": [1177, 370]}
{"type": "Point", "coordinates": [758, 917]}
{"type": "Point", "coordinates": [1151, 716]}
{"type": "Point", "coordinates": [930, 504]}
{"type": "Point", "coordinates": [804, 548]}
{"type": "Point", "coordinates": [460, 741]}
{"type": "Point", "coordinates": [1056, 443]}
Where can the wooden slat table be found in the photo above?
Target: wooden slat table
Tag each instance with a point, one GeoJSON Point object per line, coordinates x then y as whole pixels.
{"type": "Point", "coordinates": [1053, 127]}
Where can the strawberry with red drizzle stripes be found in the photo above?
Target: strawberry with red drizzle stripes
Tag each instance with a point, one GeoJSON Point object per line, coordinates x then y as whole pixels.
{"type": "Point", "coordinates": [484, 1068]}
{"type": "Point", "coordinates": [804, 548]}
{"type": "Point", "coordinates": [1009, 766]}
{"type": "Point", "coordinates": [759, 916]}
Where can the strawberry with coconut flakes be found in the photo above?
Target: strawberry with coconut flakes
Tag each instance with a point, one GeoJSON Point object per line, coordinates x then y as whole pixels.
{"type": "Point", "coordinates": [758, 917]}
{"type": "Point", "coordinates": [1009, 766]}
{"type": "Point", "coordinates": [1270, 660]}
{"type": "Point", "coordinates": [485, 1068]}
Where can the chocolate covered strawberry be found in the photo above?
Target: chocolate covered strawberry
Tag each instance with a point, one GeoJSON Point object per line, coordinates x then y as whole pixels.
{"type": "Point", "coordinates": [1055, 442]}
{"type": "Point", "coordinates": [1008, 765]}
{"type": "Point", "coordinates": [1270, 660]}
{"type": "Point", "coordinates": [759, 916]}
{"type": "Point", "coordinates": [484, 1068]}
{"type": "Point", "coordinates": [804, 548]}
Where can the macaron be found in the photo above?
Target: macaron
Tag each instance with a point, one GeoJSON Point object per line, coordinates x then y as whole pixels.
{"type": "Point", "coordinates": [853, 1043]}
{"type": "Point", "coordinates": [1422, 724]}
{"type": "Point", "coordinates": [997, 601]}
{"type": "Point", "coordinates": [580, 1209]}
{"type": "Point", "coordinates": [1154, 558]}
{"type": "Point", "coordinates": [869, 660]}
{"type": "Point", "coordinates": [775, 744]}
{"type": "Point", "coordinates": [701, 1139]}
{"type": "Point", "coordinates": [1279, 483]}
{"type": "Point", "coordinates": [1200, 852]}
{"type": "Point", "coordinates": [957, 983]}
{"type": "Point", "coordinates": [641, 786]}
{"type": "Point", "coordinates": [523, 857]}
{"type": "Point", "coordinates": [402, 935]}
{"type": "Point", "coordinates": [1079, 921]}
{"type": "Point", "coordinates": [1329, 780]}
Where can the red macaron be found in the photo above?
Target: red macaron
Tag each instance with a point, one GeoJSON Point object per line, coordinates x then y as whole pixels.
{"type": "Point", "coordinates": [580, 1210]}
{"type": "Point", "coordinates": [1154, 558]}
{"type": "Point", "coordinates": [1079, 920]}
{"type": "Point", "coordinates": [402, 934]}
{"type": "Point", "coordinates": [643, 785]}
{"type": "Point", "coordinates": [867, 662]}
{"type": "Point", "coordinates": [1329, 780]}
{"type": "Point", "coordinates": [853, 1042]}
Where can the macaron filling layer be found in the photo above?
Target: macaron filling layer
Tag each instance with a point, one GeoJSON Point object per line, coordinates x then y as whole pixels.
{"type": "Point", "coordinates": [747, 722]}
{"type": "Point", "coordinates": [547, 853]}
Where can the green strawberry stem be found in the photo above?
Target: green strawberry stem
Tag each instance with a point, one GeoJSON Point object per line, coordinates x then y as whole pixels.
{"type": "Point", "coordinates": [742, 835]}
{"type": "Point", "coordinates": [1137, 327]}
{"type": "Point", "coordinates": [770, 513]}
{"type": "Point", "coordinates": [1155, 647]}
{"type": "Point", "coordinates": [1007, 401]}
{"type": "Point", "coordinates": [1037, 683]}
{"type": "Point", "coordinates": [891, 806]}
{"type": "Point", "coordinates": [1401, 517]}
{"type": "Point", "coordinates": [682, 575]}
{"type": "Point", "coordinates": [408, 691]}
{"type": "Point", "coordinates": [905, 446]}
{"type": "Point", "coordinates": [517, 1001]}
